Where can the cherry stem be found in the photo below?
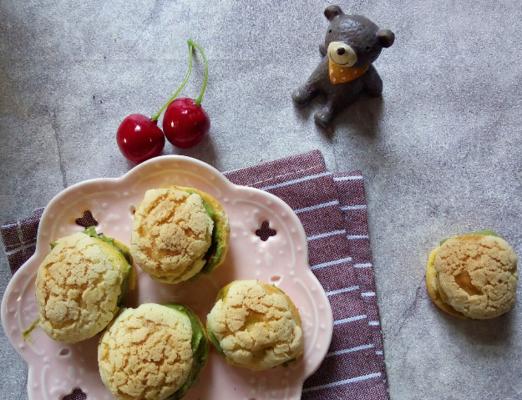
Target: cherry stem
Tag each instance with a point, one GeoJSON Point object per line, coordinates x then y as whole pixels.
{"type": "Point", "coordinates": [156, 116]}
{"type": "Point", "coordinates": [205, 74]}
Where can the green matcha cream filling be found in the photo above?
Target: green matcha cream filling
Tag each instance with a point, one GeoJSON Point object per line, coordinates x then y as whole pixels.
{"type": "Point", "coordinates": [217, 245]}
{"type": "Point", "coordinates": [199, 346]}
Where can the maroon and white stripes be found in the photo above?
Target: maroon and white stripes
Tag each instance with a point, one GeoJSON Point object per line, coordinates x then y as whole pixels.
{"type": "Point", "coordinates": [353, 203]}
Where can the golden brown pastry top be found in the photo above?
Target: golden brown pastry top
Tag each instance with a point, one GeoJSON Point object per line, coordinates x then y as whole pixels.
{"type": "Point", "coordinates": [146, 353]}
{"type": "Point", "coordinates": [257, 325]}
{"type": "Point", "coordinates": [477, 275]}
{"type": "Point", "coordinates": [77, 288]}
{"type": "Point", "coordinates": [171, 234]}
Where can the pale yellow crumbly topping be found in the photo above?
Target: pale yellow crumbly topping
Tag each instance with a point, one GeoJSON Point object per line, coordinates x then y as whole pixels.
{"type": "Point", "coordinates": [77, 289]}
{"type": "Point", "coordinates": [146, 353]}
{"type": "Point", "coordinates": [477, 275]}
{"type": "Point", "coordinates": [256, 325]}
{"type": "Point", "coordinates": [171, 234]}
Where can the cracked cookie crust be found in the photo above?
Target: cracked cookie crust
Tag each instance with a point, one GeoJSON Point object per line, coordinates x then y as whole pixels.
{"type": "Point", "coordinates": [473, 276]}
{"type": "Point", "coordinates": [172, 233]}
{"type": "Point", "coordinates": [255, 325]}
{"type": "Point", "coordinates": [78, 287]}
{"type": "Point", "coordinates": [146, 354]}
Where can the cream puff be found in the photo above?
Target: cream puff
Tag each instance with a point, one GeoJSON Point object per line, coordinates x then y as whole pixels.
{"type": "Point", "coordinates": [80, 285]}
{"type": "Point", "coordinates": [473, 276]}
{"type": "Point", "coordinates": [255, 325]}
{"type": "Point", "coordinates": [153, 352]}
{"type": "Point", "coordinates": [179, 232]}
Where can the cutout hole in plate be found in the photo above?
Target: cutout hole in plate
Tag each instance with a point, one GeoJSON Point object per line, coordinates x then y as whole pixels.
{"type": "Point", "coordinates": [64, 352]}
{"type": "Point", "coordinates": [86, 220]}
{"type": "Point", "coordinates": [264, 232]}
{"type": "Point", "coordinates": [76, 394]}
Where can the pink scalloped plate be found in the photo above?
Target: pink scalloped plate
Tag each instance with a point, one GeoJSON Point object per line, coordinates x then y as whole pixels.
{"type": "Point", "coordinates": [56, 369]}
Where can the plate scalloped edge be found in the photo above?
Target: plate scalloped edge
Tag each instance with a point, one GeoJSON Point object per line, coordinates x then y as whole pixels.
{"type": "Point", "coordinates": [282, 260]}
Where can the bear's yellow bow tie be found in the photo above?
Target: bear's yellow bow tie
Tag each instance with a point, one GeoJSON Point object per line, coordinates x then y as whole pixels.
{"type": "Point", "coordinates": [339, 74]}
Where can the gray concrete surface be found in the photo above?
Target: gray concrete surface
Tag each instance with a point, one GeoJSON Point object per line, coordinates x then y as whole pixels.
{"type": "Point", "coordinates": [441, 151]}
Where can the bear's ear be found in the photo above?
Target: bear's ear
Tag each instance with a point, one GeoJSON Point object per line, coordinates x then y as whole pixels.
{"type": "Point", "coordinates": [332, 11]}
{"type": "Point", "coordinates": [385, 37]}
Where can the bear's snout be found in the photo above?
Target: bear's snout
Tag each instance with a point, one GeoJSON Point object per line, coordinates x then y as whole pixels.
{"type": "Point", "coordinates": [342, 54]}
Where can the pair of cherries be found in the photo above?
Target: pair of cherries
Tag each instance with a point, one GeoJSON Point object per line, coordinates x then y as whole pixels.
{"type": "Point", "coordinates": [185, 122]}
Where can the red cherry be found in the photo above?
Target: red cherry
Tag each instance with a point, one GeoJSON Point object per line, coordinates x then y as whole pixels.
{"type": "Point", "coordinates": [139, 138]}
{"type": "Point", "coordinates": [185, 123]}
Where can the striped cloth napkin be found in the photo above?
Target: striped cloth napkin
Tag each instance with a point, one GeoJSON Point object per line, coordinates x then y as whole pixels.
{"type": "Point", "coordinates": [332, 209]}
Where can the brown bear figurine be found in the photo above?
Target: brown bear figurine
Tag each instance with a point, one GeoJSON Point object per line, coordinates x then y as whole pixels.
{"type": "Point", "coordinates": [351, 44]}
